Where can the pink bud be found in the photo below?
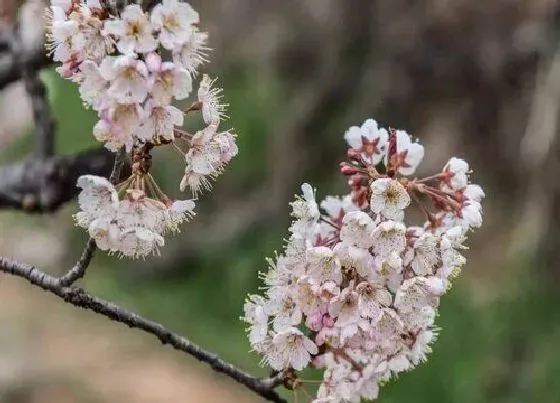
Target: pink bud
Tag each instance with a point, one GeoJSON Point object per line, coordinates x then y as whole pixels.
{"type": "Point", "coordinates": [328, 321]}
{"type": "Point", "coordinates": [153, 62]}
{"type": "Point", "coordinates": [315, 321]}
{"type": "Point", "coordinates": [347, 169]}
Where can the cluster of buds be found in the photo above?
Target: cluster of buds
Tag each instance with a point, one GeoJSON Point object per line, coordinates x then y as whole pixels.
{"type": "Point", "coordinates": [117, 62]}
{"type": "Point", "coordinates": [356, 291]}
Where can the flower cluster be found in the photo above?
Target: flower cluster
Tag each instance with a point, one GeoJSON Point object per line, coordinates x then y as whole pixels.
{"type": "Point", "coordinates": [356, 290]}
{"type": "Point", "coordinates": [117, 62]}
{"type": "Point", "coordinates": [133, 226]}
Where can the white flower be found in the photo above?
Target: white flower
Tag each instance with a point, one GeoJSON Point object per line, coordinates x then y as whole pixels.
{"type": "Point", "coordinates": [290, 348]}
{"type": "Point", "coordinates": [398, 363]}
{"type": "Point", "coordinates": [389, 326]}
{"type": "Point", "coordinates": [64, 5]}
{"type": "Point", "coordinates": [307, 294]}
{"type": "Point", "coordinates": [417, 292]}
{"type": "Point", "coordinates": [283, 307]}
{"type": "Point", "coordinates": [94, 43]}
{"type": "Point", "coordinates": [160, 122]}
{"type": "Point", "coordinates": [134, 31]}
{"type": "Point", "coordinates": [474, 192]}
{"type": "Point", "coordinates": [323, 265]}
{"type": "Point", "coordinates": [336, 206]}
{"type": "Point", "coordinates": [344, 307]}
{"type": "Point", "coordinates": [421, 347]}
{"type": "Point", "coordinates": [205, 159]}
{"type": "Point", "coordinates": [471, 214]}
{"type": "Point", "coordinates": [419, 318]}
{"type": "Point", "coordinates": [228, 146]}
{"type": "Point", "coordinates": [423, 257]}
{"type": "Point", "coordinates": [357, 228]}
{"type": "Point", "coordinates": [305, 208]}
{"type": "Point", "coordinates": [371, 298]}
{"type": "Point", "coordinates": [63, 36]}
{"type": "Point", "coordinates": [282, 271]}
{"type": "Point", "coordinates": [451, 240]}
{"type": "Point", "coordinates": [138, 210]}
{"type": "Point", "coordinates": [179, 212]}
{"type": "Point", "coordinates": [458, 170]}
{"type": "Point", "coordinates": [351, 256]}
{"type": "Point", "coordinates": [388, 238]}
{"type": "Point", "coordinates": [336, 386]}
{"type": "Point", "coordinates": [114, 139]}
{"type": "Point", "coordinates": [193, 52]}
{"type": "Point", "coordinates": [389, 198]}
{"type": "Point", "coordinates": [409, 154]}
{"type": "Point", "coordinates": [128, 77]}
{"type": "Point", "coordinates": [106, 232]}
{"type": "Point", "coordinates": [139, 242]}
{"type": "Point", "coordinates": [257, 319]}
{"type": "Point", "coordinates": [367, 387]}
{"type": "Point", "coordinates": [194, 181]}
{"type": "Point", "coordinates": [168, 81]}
{"type": "Point", "coordinates": [98, 195]}
{"type": "Point", "coordinates": [92, 84]}
{"type": "Point", "coordinates": [174, 20]}
{"type": "Point", "coordinates": [369, 139]}
{"type": "Point", "coordinates": [118, 125]}
{"type": "Point", "coordinates": [213, 110]}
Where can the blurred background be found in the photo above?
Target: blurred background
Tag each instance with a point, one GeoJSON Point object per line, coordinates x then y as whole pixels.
{"type": "Point", "coordinates": [476, 79]}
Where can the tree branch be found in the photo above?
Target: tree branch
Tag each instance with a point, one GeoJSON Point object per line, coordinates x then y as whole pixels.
{"type": "Point", "coordinates": [42, 116]}
{"type": "Point", "coordinates": [10, 70]}
{"type": "Point", "coordinates": [79, 269]}
{"type": "Point", "coordinates": [78, 297]}
{"type": "Point", "coordinates": [41, 186]}
{"type": "Point", "coordinates": [35, 88]}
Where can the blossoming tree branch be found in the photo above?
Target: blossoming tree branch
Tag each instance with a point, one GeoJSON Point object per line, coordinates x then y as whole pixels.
{"type": "Point", "coordinates": [355, 291]}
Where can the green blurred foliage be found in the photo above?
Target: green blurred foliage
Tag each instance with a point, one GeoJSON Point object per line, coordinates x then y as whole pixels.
{"type": "Point", "coordinates": [503, 351]}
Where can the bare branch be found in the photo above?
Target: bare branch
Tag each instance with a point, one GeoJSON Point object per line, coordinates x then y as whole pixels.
{"type": "Point", "coordinates": [42, 116]}
{"type": "Point", "coordinates": [10, 70]}
{"type": "Point", "coordinates": [79, 269]}
{"type": "Point", "coordinates": [41, 186]}
{"type": "Point", "coordinates": [78, 297]}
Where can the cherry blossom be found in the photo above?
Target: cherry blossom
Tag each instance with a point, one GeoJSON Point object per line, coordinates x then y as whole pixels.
{"type": "Point", "coordinates": [133, 30]}
{"type": "Point", "coordinates": [389, 198]}
{"type": "Point", "coordinates": [356, 290]}
{"type": "Point", "coordinates": [62, 37]}
{"type": "Point", "coordinates": [369, 139]}
{"type": "Point", "coordinates": [159, 121]}
{"type": "Point", "coordinates": [174, 21]}
{"type": "Point", "coordinates": [193, 53]}
{"type": "Point", "coordinates": [458, 170]}
{"type": "Point", "coordinates": [119, 64]}
{"type": "Point", "coordinates": [210, 99]}
{"type": "Point", "coordinates": [409, 153]}
{"type": "Point", "coordinates": [128, 77]}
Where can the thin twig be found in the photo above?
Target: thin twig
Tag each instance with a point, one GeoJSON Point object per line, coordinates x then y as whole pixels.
{"type": "Point", "coordinates": [79, 269]}
{"type": "Point", "coordinates": [78, 297]}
